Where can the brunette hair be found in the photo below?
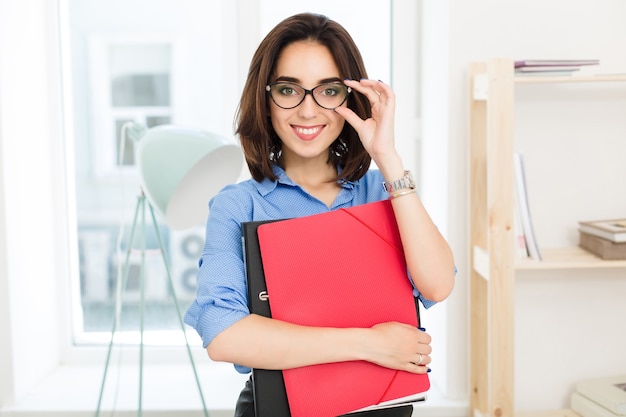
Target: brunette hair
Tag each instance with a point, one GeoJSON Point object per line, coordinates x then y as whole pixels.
{"type": "Point", "coordinates": [260, 143]}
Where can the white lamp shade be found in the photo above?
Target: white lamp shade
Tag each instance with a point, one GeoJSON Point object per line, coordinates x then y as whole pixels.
{"type": "Point", "coordinates": [181, 169]}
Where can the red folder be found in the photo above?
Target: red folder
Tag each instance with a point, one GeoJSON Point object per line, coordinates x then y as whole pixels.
{"type": "Point", "coordinates": [343, 268]}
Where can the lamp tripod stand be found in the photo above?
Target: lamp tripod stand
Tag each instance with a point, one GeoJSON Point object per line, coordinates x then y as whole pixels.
{"type": "Point", "coordinates": [121, 285]}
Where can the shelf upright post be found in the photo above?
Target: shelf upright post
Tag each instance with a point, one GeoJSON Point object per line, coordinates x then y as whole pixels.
{"type": "Point", "coordinates": [492, 253]}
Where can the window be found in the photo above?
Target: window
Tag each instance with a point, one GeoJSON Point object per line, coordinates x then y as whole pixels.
{"type": "Point", "coordinates": [132, 64]}
{"type": "Point", "coordinates": [130, 81]}
{"type": "Point", "coordinates": [143, 69]}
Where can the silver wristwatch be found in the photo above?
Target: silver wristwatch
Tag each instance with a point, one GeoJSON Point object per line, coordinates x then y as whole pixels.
{"type": "Point", "coordinates": [404, 183]}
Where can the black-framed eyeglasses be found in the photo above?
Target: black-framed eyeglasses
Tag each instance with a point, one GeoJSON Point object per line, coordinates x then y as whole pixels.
{"type": "Point", "coordinates": [288, 95]}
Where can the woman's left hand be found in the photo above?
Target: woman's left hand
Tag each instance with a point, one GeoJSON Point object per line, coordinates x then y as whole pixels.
{"type": "Point", "coordinates": [377, 132]}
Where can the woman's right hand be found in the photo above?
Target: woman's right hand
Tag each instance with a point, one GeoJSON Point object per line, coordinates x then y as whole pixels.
{"type": "Point", "coordinates": [400, 346]}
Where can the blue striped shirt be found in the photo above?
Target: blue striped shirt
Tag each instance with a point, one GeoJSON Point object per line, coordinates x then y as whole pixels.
{"type": "Point", "coordinates": [221, 297]}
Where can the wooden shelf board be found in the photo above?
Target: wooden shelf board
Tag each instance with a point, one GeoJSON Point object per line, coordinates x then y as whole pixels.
{"type": "Point", "coordinates": [547, 413]}
{"type": "Point", "coordinates": [567, 258]}
{"type": "Point", "coordinates": [571, 79]}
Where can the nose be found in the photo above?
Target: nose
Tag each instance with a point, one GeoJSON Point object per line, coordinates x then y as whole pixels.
{"type": "Point", "coordinates": [308, 107]}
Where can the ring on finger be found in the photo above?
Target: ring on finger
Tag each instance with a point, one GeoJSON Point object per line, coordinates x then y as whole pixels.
{"type": "Point", "coordinates": [419, 362]}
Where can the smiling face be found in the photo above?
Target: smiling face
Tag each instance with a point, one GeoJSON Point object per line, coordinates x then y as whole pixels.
{"type": "Point", "coordinates": [308, 130]}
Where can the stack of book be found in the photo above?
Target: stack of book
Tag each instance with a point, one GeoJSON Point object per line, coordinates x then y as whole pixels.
{"type": "Point", "coordinates": [604, 238]}
{"type": "Point", "coordinates": [600, 397]}
{"type": "Point", "coordinates": [551, 67]}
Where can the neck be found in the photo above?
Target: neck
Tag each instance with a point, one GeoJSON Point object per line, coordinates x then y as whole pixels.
{"type": "Point", "coordinates": [320, 182]}
{"type": "Point", "coordinates": [312, 174]}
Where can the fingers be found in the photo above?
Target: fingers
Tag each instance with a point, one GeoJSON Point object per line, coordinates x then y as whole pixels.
{"type": "Point", "coordinates": [417, 369]}
{"type": "Point", "coordinates": [421, 359]}
{"type": "Point", "coordinates": [351, 117]}
{"type": "Point", "coordinates": [375, 91]}
{"type": "Point", "coordinates": [419, 365]}
{"type": "Point", "coordinates": [405, 347]}
{"type": "Point", "coordinates": [377, 131]}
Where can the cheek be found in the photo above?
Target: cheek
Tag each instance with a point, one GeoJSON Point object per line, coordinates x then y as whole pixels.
{"type": "Point", "coordinates": [274, 116]}
{"type": "Point", "coordinates": [338, 121]}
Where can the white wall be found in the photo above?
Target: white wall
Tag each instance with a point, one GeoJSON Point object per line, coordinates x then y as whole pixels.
{"type": "Point", "coordinates": [567, 321]}
{"type": "Point", "coordinates": [6, 349]}
{"type": "Point", "coordinates": [28, 136]}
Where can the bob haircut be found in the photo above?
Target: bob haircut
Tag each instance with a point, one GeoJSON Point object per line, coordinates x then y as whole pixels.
{"type": "Point", "coordinates": [260, 143]}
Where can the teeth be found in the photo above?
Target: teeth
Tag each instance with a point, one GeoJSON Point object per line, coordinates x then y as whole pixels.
{"type": "Point", "coordinates": [308, 131]}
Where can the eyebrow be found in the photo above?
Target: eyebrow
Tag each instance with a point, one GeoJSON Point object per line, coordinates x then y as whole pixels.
{"type": "Point", "coordinates": [297, 81]}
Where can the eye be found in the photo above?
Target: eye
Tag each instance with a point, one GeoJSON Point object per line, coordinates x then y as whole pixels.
{"type": "Point", "coordinates": [331, 90]}
{"type": "Point", "coordinates": [286, 90]}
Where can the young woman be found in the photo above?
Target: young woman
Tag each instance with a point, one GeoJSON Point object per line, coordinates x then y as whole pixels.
{"type": "Point", "coordinates": [310, 123]}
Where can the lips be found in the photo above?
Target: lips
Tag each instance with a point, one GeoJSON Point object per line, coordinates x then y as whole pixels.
{"type": "Point", "coordinates": [307, 132]}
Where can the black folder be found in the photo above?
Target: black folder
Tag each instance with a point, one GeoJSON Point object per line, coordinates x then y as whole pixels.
{"type": "Point", "coordinates": [268, 386]}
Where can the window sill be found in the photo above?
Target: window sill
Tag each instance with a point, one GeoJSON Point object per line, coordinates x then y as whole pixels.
{"type": "Point", "coordinates": [72, 391]}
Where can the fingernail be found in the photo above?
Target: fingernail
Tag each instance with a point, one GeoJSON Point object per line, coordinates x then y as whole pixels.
{"type": "Point", "coordinates": [380, 81]}
{"type": "Point", "coordinates": [428, 370]}
{"type": "Point", "coordinates": [422, 329]}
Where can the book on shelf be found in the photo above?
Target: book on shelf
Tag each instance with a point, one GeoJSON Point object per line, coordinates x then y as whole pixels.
{"type": "Point", "coordinates": [521, 194]}
{"type": "Point", "coordinates": [521, 248]}
{"type": "Point", "coordinates": [608, 393]}
{"type": "Point", "coordinates": [551, 68]}
{"type": "Point", "coordinates": [545, 71]}
{"type": "Point", "coordinates": [558, 69]}
{"type": "Point", "coordinates": [603, 248]}
{"type": "Point", "coordinates": [555, 62]}
{"type": "Point", "coordinates": [610, 229]}
{"type": "Point", "coordinates": [584, 407]}
{"type": "Point", "coordinates": [544, 74]}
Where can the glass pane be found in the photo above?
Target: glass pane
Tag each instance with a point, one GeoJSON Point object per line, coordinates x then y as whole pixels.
{"type": "Point", "coordinates": [152, 121]}
{"type": "Point", "coordinates": [141, 90]}
{"type": "Point", "coordinates": [102, 264]}
{"type": "Point", "coordinates": [140, 74]}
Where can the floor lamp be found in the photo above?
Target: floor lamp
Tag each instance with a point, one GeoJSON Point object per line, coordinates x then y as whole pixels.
{"type": "Point", "coordinates": [180, 169]}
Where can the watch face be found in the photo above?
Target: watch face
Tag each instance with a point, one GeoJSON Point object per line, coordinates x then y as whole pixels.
{"type": "Point", "coordinates": [411, 183]}
{"type": "Point", "coordinates": [402, 183]}
{"type": "Point", "coordinates": [405, 182]}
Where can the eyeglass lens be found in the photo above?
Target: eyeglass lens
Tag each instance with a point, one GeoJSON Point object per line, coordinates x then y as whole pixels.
{"type": "Point", "coordinates": [289, 95]}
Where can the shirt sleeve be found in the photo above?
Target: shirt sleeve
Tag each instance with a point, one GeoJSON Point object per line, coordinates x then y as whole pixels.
{"type": "Point", "coordinates": [425, 302]}
{"type": "Point", "coordinates": [221, 298]}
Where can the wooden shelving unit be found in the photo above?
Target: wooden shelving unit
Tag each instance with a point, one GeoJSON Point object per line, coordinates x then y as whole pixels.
{"type": "Point", "coordinates": [567, 258]}
{"type": "Point", "coordinates": [492, 254]}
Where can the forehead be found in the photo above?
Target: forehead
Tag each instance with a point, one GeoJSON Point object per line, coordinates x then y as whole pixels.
{"type": "Point", "coordinates": [306, 62]}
